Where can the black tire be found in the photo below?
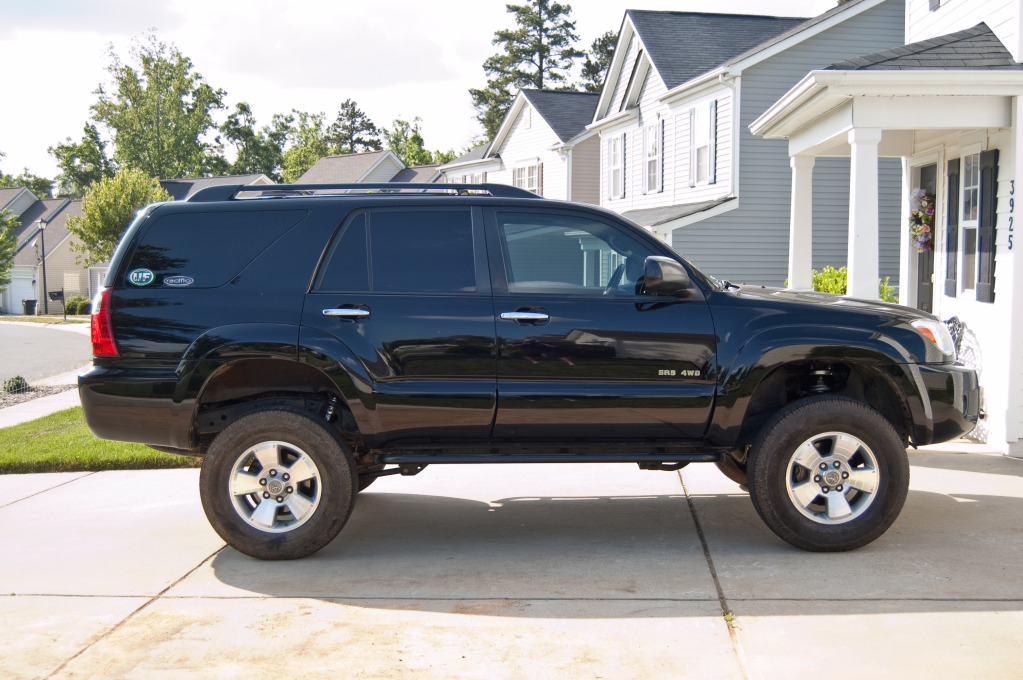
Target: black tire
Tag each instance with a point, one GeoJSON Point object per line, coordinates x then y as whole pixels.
{"type": "Point", "coordinates": [277, 485]}
{"type": "Point", "coordinates": [821, 509]}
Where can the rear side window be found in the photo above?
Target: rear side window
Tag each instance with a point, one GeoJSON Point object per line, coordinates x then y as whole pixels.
{"type": "Point", "coordinates": [391, 251]}
{"type": "Point", "coordinates": [204, 250]}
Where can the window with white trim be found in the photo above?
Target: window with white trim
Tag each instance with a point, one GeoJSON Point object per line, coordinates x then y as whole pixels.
{"type": "Point", "coordinates": [969, 219]}
{"type": "Point", "coordinates": [701, 143]}
{"type": "Point", "coordinates": [653, 175]}
{"type": "Point", "coordinates": [524, 177]}
{"type": "Point", "coordinates": [616, 166]}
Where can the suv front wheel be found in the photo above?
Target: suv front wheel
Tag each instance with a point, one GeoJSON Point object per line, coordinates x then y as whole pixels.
{"type": "Point", "coordinates": [828, 474]}
{"type": "Point", "coordinates": [277, 485]}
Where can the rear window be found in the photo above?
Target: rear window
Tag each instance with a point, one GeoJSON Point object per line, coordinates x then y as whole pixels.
{"type": "Point", "coordinates": [204, 250]}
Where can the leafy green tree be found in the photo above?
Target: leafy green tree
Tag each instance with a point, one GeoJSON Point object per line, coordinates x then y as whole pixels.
{"type": "Point", "coordinates": [352, 131]}
{"type": "Point", "coordinates": [537, 53]}
{"type": "Point", "coordinates": [40, 186]}
{"type": "Point", "coordinates": [406, 141]}
{"type": "Point", "coordinates": [159, 112]}
{"type": "Point", "coordinates": [259, 151]}
{"type": "Point", "coordinates": [9, 225]}
{"type": "Point", "coordinates": [107, 209]}
{"type": "Point", "coordinates": [595, 66]}
{"type": "Point", "coordinates": [307, 144]}
{"type": "Point", "coordinates": [81, 164]}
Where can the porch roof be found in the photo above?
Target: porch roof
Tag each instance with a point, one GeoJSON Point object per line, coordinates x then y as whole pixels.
{"type": "Point", "coordinates": [964, 80]}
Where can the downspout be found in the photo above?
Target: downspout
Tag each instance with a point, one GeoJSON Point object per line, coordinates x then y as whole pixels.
{"type": "Point", "coordinates": [734, 84]}
{"type": "Point", "coordinates": [568, 173]}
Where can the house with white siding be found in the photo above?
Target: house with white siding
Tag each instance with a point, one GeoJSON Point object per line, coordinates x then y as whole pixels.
{"type": "Point", "coordinates": [676, 153]}
{"type": "Point", "coordinates": [542, 146]}
{"type": "Point", "coordinates": [367, 167]}
{"type": "Point", "coordinates": [947, 106]}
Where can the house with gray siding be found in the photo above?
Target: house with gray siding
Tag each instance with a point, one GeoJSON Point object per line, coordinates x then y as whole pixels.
{"type": "Point", "coordinates": [676, 154]}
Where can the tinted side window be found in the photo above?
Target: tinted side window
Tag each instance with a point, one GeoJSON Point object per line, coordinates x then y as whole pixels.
{"type": "Point", "coordinates": [422, 250]}
{"type": "Point", "coordinates": [569, 255]}
{"type": "Point", "coordinates": [425, 250]}
{"type": "Point", "coordinates": [205, 250]}
{"type": "Point", "coordinates": [348, 261]}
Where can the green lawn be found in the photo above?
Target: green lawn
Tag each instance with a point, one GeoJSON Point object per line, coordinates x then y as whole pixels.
{"type": "Point", "coordinates": [82, 318]}
{"type": "Point", "coordinates": [62, 443]}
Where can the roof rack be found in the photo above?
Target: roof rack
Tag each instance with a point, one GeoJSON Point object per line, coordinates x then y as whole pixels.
{"type": "Point", "coordinates": [228, 192]}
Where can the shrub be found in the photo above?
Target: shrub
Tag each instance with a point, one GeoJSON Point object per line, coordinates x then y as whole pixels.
{"type": "Point", "coordinates": [15, 385]}
{"type": "Point", "coordinates": [77, 304]}
{"type": "Point", "coordinates": [831, 280]}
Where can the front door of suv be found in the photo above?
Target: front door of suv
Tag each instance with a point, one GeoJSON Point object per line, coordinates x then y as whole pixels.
{"type": "Point", "coordinates": [583, 350]}
{"type": "Point", "coordinates": [402, 300]}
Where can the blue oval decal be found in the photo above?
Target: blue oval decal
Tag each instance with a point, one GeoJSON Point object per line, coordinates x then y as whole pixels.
{"type": "Point", "coordinates": [140, 277]}
{"type": "Point", "coordinates": [178, 280]}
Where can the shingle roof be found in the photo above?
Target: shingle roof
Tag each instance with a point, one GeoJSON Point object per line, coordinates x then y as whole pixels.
{"type": "Point", "coordinates": [420, 173]}
{"type": "Point", "coordinates": [566, 112]}
{"type": "Point", "coordinates": [652, 217]}
{"type": "Point", "coordinates": [342, 169]}
{"type": "Point", "coordinates": [56, 212]}
{"type": "Point", "coordinates": [974, 48]}
{"type": "Point", "coordinates": [678, 57]}
{"type": "Point", "coordinates": [180, 189]}
{"type": "Point", "coordinates": [9, 194]}
{"type": "Point", "coordinates": [476, 154]}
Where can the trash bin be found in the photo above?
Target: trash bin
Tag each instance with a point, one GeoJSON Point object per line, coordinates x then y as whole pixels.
{"type": "Point", "coordinates": [30, 307]}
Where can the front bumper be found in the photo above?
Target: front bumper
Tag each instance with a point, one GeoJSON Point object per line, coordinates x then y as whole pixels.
{"type": "Point", "coordinates": [952, 393]}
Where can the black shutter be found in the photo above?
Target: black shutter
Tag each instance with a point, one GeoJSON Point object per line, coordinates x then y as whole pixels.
{"type": "Point", "coordinates": [952, 230]}
{"type": "Point", "coordinates": [660, 175]}
{"type": "Point", "coordinates": [713, 160]}
{"type": "Point", "coordinates": [986, 232]}
{"type": "Point", "coordinates": [624, 164]}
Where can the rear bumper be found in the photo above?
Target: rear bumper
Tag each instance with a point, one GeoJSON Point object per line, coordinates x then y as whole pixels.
{"type": "Point", "coordinates": [136, 406]}
{"type": "Point", "coordinates": [953, 393]}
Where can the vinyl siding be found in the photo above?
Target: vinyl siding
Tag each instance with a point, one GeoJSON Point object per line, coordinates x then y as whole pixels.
{"type": "Point", "coordinates": [528, 143]}
{"type": "Point", "coordinates": [626, 74]}
{"type": "Point", "coordinates": [382, 173]}
{"type": "Point", "coordinates": [1001, 16]}
{"type": "Point", "coordinates": [750, 243]}
{"type": "Point", "coordinates": [586, 171]}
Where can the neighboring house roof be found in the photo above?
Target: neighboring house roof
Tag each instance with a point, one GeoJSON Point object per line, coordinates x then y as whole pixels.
{"type": "Point", "coordinates": [419, 174]}
{"type": "Point", "coordinates": [974, 48]}
{"type": "Point", "coordinates": [55, 212]}
{"type": "Point", "coordinates": [7, 195]}
{"type": "Point", "coordinates": [470, 156]}
{"type": "Point", "coordinates": [566, 112]}
{"type": "Point", "coordinates": [652, 217]}
{"type": "Point", "coordinates": [346, 168]}
{"type": "Point", "coordinates": [684, 45]}
{"type": "Point", "coordinates": [180, 189]}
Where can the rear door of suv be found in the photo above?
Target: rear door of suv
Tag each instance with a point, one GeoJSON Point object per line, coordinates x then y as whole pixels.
{"type": "Point", "coordinates": [403, 297]}
{"type": "Point", "coordinates": [583, 350]}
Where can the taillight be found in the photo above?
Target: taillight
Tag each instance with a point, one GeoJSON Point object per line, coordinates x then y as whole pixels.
{"type": "Point", "coordinates": [102, 330]}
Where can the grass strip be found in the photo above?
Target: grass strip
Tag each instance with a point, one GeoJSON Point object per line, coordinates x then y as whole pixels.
{"type": "Point", "coordinates": [61, 442]}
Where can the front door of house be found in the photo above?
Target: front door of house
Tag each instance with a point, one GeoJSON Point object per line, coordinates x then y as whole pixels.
{"type": "Point", "coordinates": [925, 258]}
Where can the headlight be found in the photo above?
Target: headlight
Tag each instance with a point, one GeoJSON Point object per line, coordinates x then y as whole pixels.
{"type": "Point", "coordinates": [936, 332]}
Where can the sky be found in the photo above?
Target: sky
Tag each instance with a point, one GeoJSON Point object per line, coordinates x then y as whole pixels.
{"type": "Point", "coordinates": [395, 58]}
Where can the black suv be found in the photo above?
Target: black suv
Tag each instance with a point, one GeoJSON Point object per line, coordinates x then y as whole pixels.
{"type": "Point", "coordinates": [307, 339]}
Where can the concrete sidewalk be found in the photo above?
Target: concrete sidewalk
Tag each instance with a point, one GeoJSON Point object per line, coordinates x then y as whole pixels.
{"type": "Point", "coordinates": [44, 406]}
{"type": "Point", "coordinates": [517, 571]}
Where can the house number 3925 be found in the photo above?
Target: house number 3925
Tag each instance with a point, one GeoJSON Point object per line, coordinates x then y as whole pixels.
{"type": "Point", "coordinates": [1012, 207]}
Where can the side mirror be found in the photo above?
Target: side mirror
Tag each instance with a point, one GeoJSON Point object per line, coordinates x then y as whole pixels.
{"type": "Point", "coordinates": [665, 276]}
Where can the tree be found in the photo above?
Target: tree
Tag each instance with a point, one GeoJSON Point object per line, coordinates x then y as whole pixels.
{"type": "Point", "coordinates": [598, 60]}
{"type": "Point", "coordinates": [257, 152]}
{"type": "Point", "coordinates": [352, 131]}
{"type": "Point", "coordinates": [307, 144]}
{"type": "Point", "coordinates": [9, 225]}
{"type": "Point", "coordinates": [538, 53]}
{"type": "Point", "coordinates": [160, 112]}
{"type": "Point", "coordinates": [107, 209]}
{"type": "Point", "coordinates": [82, 164]}
{"type": "Point", "coordinates": [406, 141]}
{"type": "Point", "coordinates": [40, 186]}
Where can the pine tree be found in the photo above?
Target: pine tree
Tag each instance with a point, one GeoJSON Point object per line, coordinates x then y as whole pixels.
{"type": "Point", "coordinates": [352, 131]}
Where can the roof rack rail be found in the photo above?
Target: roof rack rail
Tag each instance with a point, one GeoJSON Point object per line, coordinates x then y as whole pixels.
{"type": "Point", "coordinates": [227, 192]}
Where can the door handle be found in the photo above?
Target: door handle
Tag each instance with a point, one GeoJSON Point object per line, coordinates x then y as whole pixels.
{"type": "Point", "coordinates": [348, 313]}
{"type": "Point", "coordinates": [526, 317]}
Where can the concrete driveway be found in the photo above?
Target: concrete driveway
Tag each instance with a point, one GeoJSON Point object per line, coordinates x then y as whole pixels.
{"type": "Point", "coordinates": [525, 571]}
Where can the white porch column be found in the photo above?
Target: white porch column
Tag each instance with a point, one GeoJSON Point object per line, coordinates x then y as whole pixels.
{"type": "Point", "coordinates": [863, 234]}
{"type": "Point", "coordinates": [801, 222]}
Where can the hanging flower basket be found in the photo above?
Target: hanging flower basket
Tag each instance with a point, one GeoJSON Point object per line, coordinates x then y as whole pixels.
{"type": "Point", "coordinates": [921, 219]}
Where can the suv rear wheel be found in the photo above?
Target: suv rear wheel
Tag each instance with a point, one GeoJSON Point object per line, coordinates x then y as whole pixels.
{"type": "Point", "coordinates": [277, 485]}
{"type": "Point", "coordinates": [828, 474]}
